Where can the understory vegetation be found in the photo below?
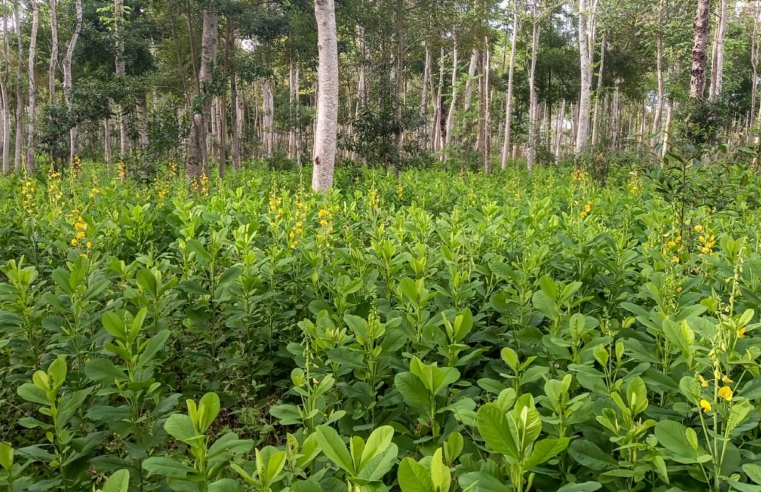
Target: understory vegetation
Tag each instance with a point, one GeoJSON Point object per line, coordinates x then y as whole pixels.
{"type": "Point", "coordinates": [432, 332]}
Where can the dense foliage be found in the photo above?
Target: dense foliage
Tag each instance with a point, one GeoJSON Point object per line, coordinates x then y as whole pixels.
{"type": "Point", "coordinates": [436, 332]}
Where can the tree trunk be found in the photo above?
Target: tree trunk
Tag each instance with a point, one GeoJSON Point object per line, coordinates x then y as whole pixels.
{"type": "Point", "coordinates": [436, 144]}
{"type": "Point", "coordinates": [598, 91]}
{"type": "Point", "coordinates": [559, 131]}
{"type": "Point", "coordinates": [452, 105]}
{"type": "Point", "coordinates": [754, 64]}
{"type": "Point", "coordinates": [67, 82]}
{"type": "Point", "coordinates": [717, 68]}
{"type": "Point", "coordinates": [19, 91]}
{"type": "Point", "coordinates": [327, 102]}
{"type": "Point", "coordinates": [124, 116]}
{"type": "Point", "coordinates": [702, 27]}
{"type": "Point", "coordinates": [474, 55]}
{"type": "Point", "coordinates": [533, 123]}
{"type": "Point", "coordinates": [53, 52]}
{"type": "Point", "coordinates": [485, 134]}
{"type": "Point", "coordinates": [661, 91]}
{"type": "Point", "coordinates": [586, 44]}
{"type": "Point", "coordinates": [197, 158]}
{"type": "Point", "coordinates": [424, 96]}
{"type": "Point", "coordinates": [509, 96]}
{"type": "Point", "coordinates": [107, 140]}
{"type": "Point", "coordinates": [32, 108]}
{"type": "Point", "coordinates": [667, 129]}
{"type": "Point", "coordinates": [5, 99]}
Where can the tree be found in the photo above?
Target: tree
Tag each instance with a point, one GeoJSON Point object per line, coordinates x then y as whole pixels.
{"type": "Point", "coordinates": [32, 108]}
{"type": "Point", "coordinates": [699, 57]}
{"type": "Point", "coordinates": [509, 94]}
{"type": "Point", "coordinates": [327, 100]}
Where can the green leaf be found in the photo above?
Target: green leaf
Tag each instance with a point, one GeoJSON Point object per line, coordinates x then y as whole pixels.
{"type": "Point", "coordinates": [32, 393]}
{"type": "Point", "coordinates": [114, 325]}
{"type": "Point", "coordinates": [377, 443]}
{"type": "Point", "coordinates": [753, 471]}
{"type": "Point", "coordinates": [545, 450]}
{"type": "Point", "coordinates": [225, 485]}
{"type": "Point", "coordinates": [181, 428]}
{"type": "Point", "coordinates": [6, 456]}
{"type": "Point", "coordinates": [412, 389]}
{"type": "Point", "coordinates": [208, 409]}
{"type": "Point", "coordinates": [587, 453]}
{"type": "Point", "coordinates": [153, 346]}
{"type": "Point", "coordinates": [581, 487]}
{"type": "Point", "coordinates": [167, 467]}
{"type": "Point", "coordinates": [413, 477]}
{"type": "Point", "coordinates": [118, 482]}
{"type": "Point", "coordinates": [104, 372]}
{"type": "Point", "coordinates": [494, 429]}
{"type": "Point", "coordinates": [673, 436]}
{"type": "Point", "coordinates": [334, 448]}
{"type": "Point", "coordinates": [441, 475]}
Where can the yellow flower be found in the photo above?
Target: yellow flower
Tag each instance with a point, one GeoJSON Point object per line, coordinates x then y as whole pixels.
{"type": "Point", "coordinates": [89, 245]}
{"type": "Point", "coordinates": [80, 235]}
{"type": "Point", "coordinates": [671, 244]}
{"type": "Point", "coordinates": [741, 333]}
{"type": "Point", "coordinates": [583, 214]}
{"type": "Point", "coordinates": [588, 207]}
{"type": "Point", "coordinates": [294, 244]}
{"type": "Point", "coordinates": [675, 259]}
{"type": "Point", "coordinates": [726, 380]}
{"type": "Point", "coordinates": [703, 382]}
{"type": "Point", "coordinates": [679, 239]}
{"type": "Point", "coordinates": [698, 228]}
{"type": "Point", "coordinates": [726, 393]}
{"type": "Point", "coordinates": [705, 405]}
{"type": "Point", "coordinates": [74, 242]}
{"type": "Point", "coordinates": [323, 223]}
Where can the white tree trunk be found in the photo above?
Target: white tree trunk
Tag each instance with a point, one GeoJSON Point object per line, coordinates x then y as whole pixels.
{"type": "Point", "coordinates": [5, 99]}
{"type": "Point", "coordinates": [586, 44]}
{"type": "Point", "coordinates": [717, 68]}
{"type": "Point", "coordinates": [67, 82]}
{"type": "Point", "coordinates": [32, 108]}
{"type": "Point", "coordinates": [53, 51]}
{"type": "Point", "coordinates": [19, 147]}
{"type": "Point", "coordinates": [124, 116]}
{"type": "Point", "coordinates": [533, 124]}
{"type": "Point", "coordinates": [452, 105]}
{"type": "Point", "coordinates": [327, 102]}
{"type": "Point", "coordinates": [509, 95]}
{"type": "Point", "coordinates": [661, 92]}
{"type": "Point", "coordinates": [702, 28]}
{"type": "Point", "coordinates": [598, 91]}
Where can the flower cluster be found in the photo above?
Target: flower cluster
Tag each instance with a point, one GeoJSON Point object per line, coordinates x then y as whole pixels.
{"type": "Point", "coordinates": [724, 390]}
{"type": "Point", "coordinates": [76, 165]}
{"type": "Point", "coordinates": [122, 170]}
{"type": "Point", "coordinates": [373, 199]}
{"type": "Point", "coordinates": [54, 186]}
{"type": "Point", "coordinates": [324, 215]}
{"type": "Point", "coordinates": [27, 191]}
{"type": "Point", "coordinates": [707, 244]}
{"type": "Point", "coordinates": [634, 186]}
{"type": "Point", "coordinates": [80, 238]}
{"type": "Point", "coordinates": [587, 210]}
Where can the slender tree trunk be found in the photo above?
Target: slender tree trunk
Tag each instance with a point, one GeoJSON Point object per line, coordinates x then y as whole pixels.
{"type": "Point", "coordinates": [107, 140]}
{"type": "Point", "coordinates": [717, 68]}
{"type": "Point", "coordinates": [485, 143]}
{"type": "Point", "coordinates": [509, 95]}
{"type": "Point", "coordinates": [533, 125]}
{"type": "Point", "coordinates": [452, 105]}
{"type": "Point", "coordinates": [702, 27]}
{"type": "Point", "coordinates": [424, 96]}
{"type": "Point", "coordinates": [124, 115]}
{"type": "Point", "coordinates": [559, 131]}
{"type": "Point", "coordinates": [67, 82]}
{"type": "Point", "coordinates": [327, 102]}
{"type": "Point", "coordinates": [667, 129]}
{"type": "Point", "coordinates": [438, 108]}
{"type": "Point", "coordinates": [661, 90]}
{"type": "Point", "coordinates": [19, 91]}
{"type": "Point", "coordinates": [32, 108]}
{"type": "Point", "coordinates": [197, 151]}
{"type": "Point", "coordinates": [53, 52]}
{"type": "Point", "coordinates": [586, 44]}
{"type": "Point", "coordinates": [298, 137]}
{"type": "Point", "coordinates": [361, 82]}
{"type": "Point", "coordinates": [474, 56]}
{"type": "Point", "coordinates": [400, 92]}
{"type": "Point", "coordinates": [5, 98]}
{"type": "Point", "coordinates": [598, 91]}
{"type": "Point", "coordinates": [754, 64]}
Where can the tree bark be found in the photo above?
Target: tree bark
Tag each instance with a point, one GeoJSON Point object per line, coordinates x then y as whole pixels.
{"type": "Point", "coordinates": [107, 140]}
{"type": "Point", "coordinates": [533, 125]}
{"type": "Point", "coordinates": [197, 158]}
{"type": "Point", "coordinates": [586, 45]}
{"type": "Point", "coordinates": [5, 99]}
{"type": "Point", "coordinates": [19, 147]}
{"type": "Point", "coordinates": [509, 96]}
{"type": "Point", "coordinates": [754, 64]}
{"type": "Point", "coordinates": [53, 52]}
{"type": "Point", "coordinates": [717, 67]}
{"type": "Point", "coordinates": [424, 96]}
{"type": "Point", "coordinates": [67, 82]}
{"type": "Point", "coordinates": [452, 105]}
{"type": "Point", "coordinates": [32, 108]}
{"type": "Point", "coordinates": [124, 116]}
{"type": "Point", "coordinates": [661, 90]}
{"type": "Point", "coordinates": [598, 91]}
{"type": "Point", "coordinates": [702, 27]}
{"type": "Point", "coordinates": [327, 102]}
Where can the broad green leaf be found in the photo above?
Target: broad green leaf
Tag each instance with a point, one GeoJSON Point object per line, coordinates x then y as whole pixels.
{"type": "Point", "coordinates": [118, 482]}
{"type": "Point", "coordinates": [103, 371]}
{"type": "Point", "coordinates": [167, 467]}
{"type": "Point", "coordinates": [545, 450]}
{"type": "Point", "coordinates": [181, 428]}
{"type": "Point", "coordinates": [377, 443]}
{"type": "Point", "coordinates": [334, 448]}
{"type": "Point", "coordinates": [413, 477]}
{"type": "Point", "coordinates": [587, 453]}
{"type": "Point", "coordinates": [441, 475]}
{"type": "Point", "coordinates": [494, 429]}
